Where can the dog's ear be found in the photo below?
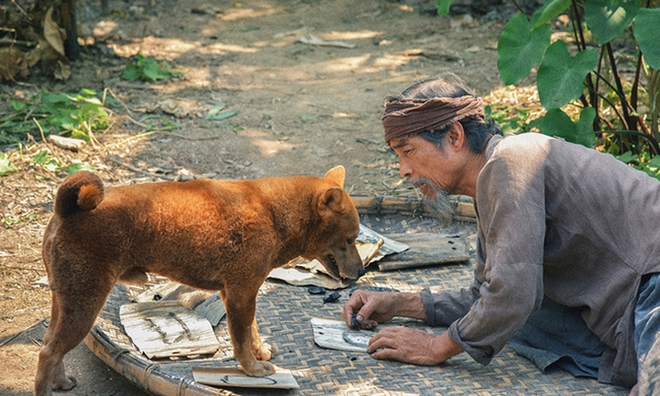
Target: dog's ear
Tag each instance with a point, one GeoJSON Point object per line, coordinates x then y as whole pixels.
{"type": "Point", "coordinates": [332, 200]}
{"type": "Point", "coordinates": [337, 175]}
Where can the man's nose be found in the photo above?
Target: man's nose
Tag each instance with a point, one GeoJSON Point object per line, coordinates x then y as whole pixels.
{"type": "Point", "coordinates": [404, 169]}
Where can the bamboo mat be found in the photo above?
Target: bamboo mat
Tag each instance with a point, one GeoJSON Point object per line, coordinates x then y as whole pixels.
{"type": "Point", "coordinates": [284, 313]}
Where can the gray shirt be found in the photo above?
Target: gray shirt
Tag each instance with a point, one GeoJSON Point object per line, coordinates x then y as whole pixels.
{"type": "Point", "coordinates": [562, 220]}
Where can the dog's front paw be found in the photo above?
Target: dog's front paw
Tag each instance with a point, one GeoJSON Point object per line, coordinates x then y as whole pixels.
{"type": "Point", "coordinates": [263, 351]}
{"type": "Point", "coordinates": [259, 369]}
{"type": "Point", "coordinates": [64, 383]}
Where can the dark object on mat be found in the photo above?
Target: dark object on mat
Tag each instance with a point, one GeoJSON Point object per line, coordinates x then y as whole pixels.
{"type": "Point", "coordinates": [316, 290]}
{"type": "Point", "coordinates": [355, 324]}
{"type": "Point", "coordinates": [332, 297]}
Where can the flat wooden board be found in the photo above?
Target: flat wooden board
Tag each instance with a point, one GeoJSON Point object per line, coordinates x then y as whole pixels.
{"type": "Point", "coordinates": [335, 334]}
{"type": "Point", "coordinates": [163, 329]}
{"type": "Point", "coordinates": [426, 249]}
{"type": "Point", "coordinates": [231, 377]}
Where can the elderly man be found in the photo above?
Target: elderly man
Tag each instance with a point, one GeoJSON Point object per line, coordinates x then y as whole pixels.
{"type": "Point", "coordinates": [568, 254]}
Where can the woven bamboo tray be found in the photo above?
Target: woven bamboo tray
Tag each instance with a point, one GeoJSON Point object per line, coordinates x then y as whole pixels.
{"type": "Point", "coordinates": [284, 313]}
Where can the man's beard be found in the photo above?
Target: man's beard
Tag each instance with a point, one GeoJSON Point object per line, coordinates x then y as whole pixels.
{"type": "Point", "coordinates": [437, 204]}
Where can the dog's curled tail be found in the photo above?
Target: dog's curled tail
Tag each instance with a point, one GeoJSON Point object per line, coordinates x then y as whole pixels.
{"type": "Point", "coordinates": [82, 191]}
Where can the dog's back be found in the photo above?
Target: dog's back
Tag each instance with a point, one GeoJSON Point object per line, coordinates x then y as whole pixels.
{"type": "Point", "coordinates": [182, 229]}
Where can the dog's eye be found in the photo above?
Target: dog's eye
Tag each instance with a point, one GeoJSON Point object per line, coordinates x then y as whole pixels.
{"type": "Point", "coordinates": [349, 241]}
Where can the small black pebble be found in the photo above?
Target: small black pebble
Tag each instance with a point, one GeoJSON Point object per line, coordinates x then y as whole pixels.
{"type": "Point", "coordinates": [332, 297]}
{"type": "Point", "coordinates": [316, 290]}
{"type": "Point", "coordinates": [354, 322]}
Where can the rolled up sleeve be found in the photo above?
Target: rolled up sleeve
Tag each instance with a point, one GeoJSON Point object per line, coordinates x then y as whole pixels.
{"type": "Point", "coordinates": [446, 307]}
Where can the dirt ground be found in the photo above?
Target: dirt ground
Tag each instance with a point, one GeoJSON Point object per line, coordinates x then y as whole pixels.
{"type": "Point", "coordinates": [301, 109]}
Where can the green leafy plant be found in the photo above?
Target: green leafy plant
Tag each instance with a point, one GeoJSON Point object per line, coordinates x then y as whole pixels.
{"type": "Point", "coordinates": [584, 85]}
{"type": "Point", "coordinates": [590, 79]}
{"type": "Point", "coordinates": [216, 113]}
{"type": "Point", "coordinates": [47, 161]}
{"type": "Point", "coordinates": [148, 69]}
{"type": "Point", "coordinates": [78, 114]}
{"type": "Point", "coordinates": [162, 124]}
{"type": "Point", "coordinates": [53, 164]}
{"type": "Point", "coordinates": [11, 221]}
{"type": "Point", "coordinates": [42, 159]}
{"type": "Point", "coordinates": [508, 122]}
{"type": "Point", "coordinates": [642, 162]}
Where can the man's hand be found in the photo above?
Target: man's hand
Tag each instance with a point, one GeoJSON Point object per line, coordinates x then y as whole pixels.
{"type": "Point", "coordinates": [371, 308]}
{"type": "Point", "coordinates": [398, 343]}
{"type": "Point", "coordinates": [412, 346]}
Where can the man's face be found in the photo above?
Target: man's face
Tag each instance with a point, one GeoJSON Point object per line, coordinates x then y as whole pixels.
{"type": "Point", "coordinates": [427, 167]}
{"type": "Point", "coordinates": [425, 164]}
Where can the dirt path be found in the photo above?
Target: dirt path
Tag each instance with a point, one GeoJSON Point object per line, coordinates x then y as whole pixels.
{"type": "Point", "coordinates": [301, 109]}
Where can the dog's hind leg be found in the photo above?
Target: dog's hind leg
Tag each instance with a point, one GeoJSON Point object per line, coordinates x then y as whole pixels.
{"type": "Point", "coordinates": [241, 307]}
{"type": "Point", "coordinates": [55, 379]}
{"type": "Point", "coordinates": [50, 372]}
{"type": "Point", "coordinates": [54, 312]}
{"type": "Point", "coordinates": [74, 316]}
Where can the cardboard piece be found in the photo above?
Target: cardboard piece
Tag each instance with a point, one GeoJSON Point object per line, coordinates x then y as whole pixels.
{"type": "Point", "coordinates": [371, 246]}
{"type": "Point", "coordinates": [213, 309]}
{"type": "Point", "coordinates": [302, 277]}
{"type": "Point", "coordinates": [169, 290]}
{"type": "Point", "coordinates": [335, 334]}
{"type": "Point", "coordinates": [232, 377]}
{"type": "Point", "coordinates": [163, 329]}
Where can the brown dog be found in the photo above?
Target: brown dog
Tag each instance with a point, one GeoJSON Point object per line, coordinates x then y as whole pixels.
{"type": "Point", "coordinates": [213, 235]}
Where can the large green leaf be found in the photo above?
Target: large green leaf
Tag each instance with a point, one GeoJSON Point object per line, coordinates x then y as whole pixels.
{"type": "Point", "coordinates": [153, 72]}
{"type": "Point", "coordinates": [520, 48]}
{"type": "Point", "coordinates": [584, 128]}
{"type": "Point", "coordinates": [559, 124]}
{"type": "Point", "coordinates": [646, 32]}
{"type": "Point", "coordinates": [560, 77]}
{"type": "Point", "coordinates": [443, 7]}
{"type": "Point", "coordinates": [549, 11]}
{"type": "Point", "coordinates": [131, 73]}
{"type": "Point", "coordinates": [608, 19]}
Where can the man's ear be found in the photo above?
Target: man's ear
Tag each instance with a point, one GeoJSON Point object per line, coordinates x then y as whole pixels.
{"type": "Point", "coordinates": [456, 136]}
{"type": "Point", "coordinates": [336, 175]}
{"type": "Point", "coordinates": [332, 200]}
